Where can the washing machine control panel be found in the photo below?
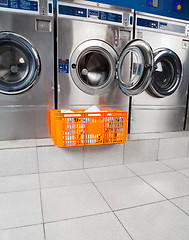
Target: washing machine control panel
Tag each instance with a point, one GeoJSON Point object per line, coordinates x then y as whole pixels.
{"type": "Point", "coordinates": [19, 6]}
{"type": "Point", "coordinates": [147, 23]}
{"type": "Point", "coordinates": [162, 26]}
{"type": "Point", "coordinates": [73, 11]}
{"type": "Point", "coordinates": [95, 14]}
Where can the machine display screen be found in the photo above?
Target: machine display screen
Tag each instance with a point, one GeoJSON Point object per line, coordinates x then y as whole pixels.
{"type": "Point", "coordinates": [147, 23]}
{"type": "Point", "coordinates": [72, 11]}
{"type": "Point", "coordinates": [20, 4]}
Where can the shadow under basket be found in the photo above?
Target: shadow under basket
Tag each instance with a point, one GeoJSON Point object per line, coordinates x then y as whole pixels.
{"type": "Point", "coordinates": [88, 128]}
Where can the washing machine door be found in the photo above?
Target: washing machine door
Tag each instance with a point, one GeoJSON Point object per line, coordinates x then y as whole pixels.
{"type": "Point", "coordinates": [167, 74]}
{"type": "Point", "coordinates": [134, 68]}
{"type": "Point", "coordinates": [93, 67]}
{"type": "Point", "coordinates": [19, 63]}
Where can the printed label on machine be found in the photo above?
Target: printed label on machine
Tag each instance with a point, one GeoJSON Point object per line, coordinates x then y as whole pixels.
{"type": "Point", "coordinates": [19, 5]}
{"type": "Point", "coordinates": [106, 16]}
{"type": "Point", "coordinates": [63, 65]}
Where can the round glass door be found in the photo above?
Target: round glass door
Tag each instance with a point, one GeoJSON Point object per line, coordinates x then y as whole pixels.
{"type": "Point", "coordinates": [135, 67]}
{"type": "Point", "coordinates": [93, 67]}
{"type": "Point", "coordinates": [167, 74]}
{"type": "Point", "coordinates": [19, 64]}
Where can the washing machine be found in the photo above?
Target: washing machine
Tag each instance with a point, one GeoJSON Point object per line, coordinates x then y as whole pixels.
{"type": "Point", "coordinates": [98, 62]}
{"type": "Point", "coordinates": [26, 68]}
{"type": "Point", "coordinates": [161, 108]}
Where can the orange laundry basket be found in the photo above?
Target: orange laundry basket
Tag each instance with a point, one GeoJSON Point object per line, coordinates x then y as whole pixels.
{"type": "Point", "coordinates": [88, 128]}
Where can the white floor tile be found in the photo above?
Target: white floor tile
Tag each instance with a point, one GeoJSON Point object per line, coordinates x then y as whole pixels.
{"type": "Point", "coordinates": [148, 167]}
{"type": "Point", "coordinates": [72, 201]}
{"type": "Point", "coordinates": [128, 192]}
{"type": "Point", "coordinates": [182, 203]}
{"type": "Point", "coordinates": [109, 173]}
{"type": "Point", "coordinates": [178, 163]}
{"type": "Point", "coordinates": [173, 148]}
{"type": "Point", "coordinates": [19, 183]}
{"type": "Point", "coordinates": [18, 161]}
{"type": "Point", "coordinates": [18, 143]}
{"type": "Point", "coordinates": [65, 178]}
{"type": "Point", "coordinates": [185, 172]}
{"type": "Point", "coordinates": [141, 151]}
{"type": "Point", "coordinates": [103, 155]}
{"type": "Point", "coordinates": [45, 142]}
{"type": "Point", "coordinates": [20, 209]}
{"type": "Point", "coordinates": [24, 233]}
{"type": "Point", "coordinates": [100, 227]}
{"type": "Point", "coordinates": [170, 184]}
{"type": "Point", "coordinates": [158, 221]}
{"type": "Point", "coordinates": [57, 159]}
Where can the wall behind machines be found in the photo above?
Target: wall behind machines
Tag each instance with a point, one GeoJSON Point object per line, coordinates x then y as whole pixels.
{"type": "Point", "coordinates": [169, 8]}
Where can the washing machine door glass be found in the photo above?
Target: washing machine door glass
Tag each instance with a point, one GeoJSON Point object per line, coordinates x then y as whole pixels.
{"type": "Point", "coordinates": [167, 74]}
{"type": "Point", "coordinates": [93, 67]}
{"type": "Point", "coordinates": [135, 67]}
{"type": "Point", "coordinates": [19, 64]}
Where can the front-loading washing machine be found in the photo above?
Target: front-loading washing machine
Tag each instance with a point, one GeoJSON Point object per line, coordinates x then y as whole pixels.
{"type": "Point", "coordinates": [96, 56]}
{"type": "Point", "coordinates": [26, 68]}
{"type": "Point", "coordinates": [162, 107]}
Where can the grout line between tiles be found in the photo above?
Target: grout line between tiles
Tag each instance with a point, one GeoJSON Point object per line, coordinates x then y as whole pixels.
{"type": "Point", "coordinates": [72, 218]}
{"type": "Point", "coordinates": [142, 205]}
{"type": "Point", "coordinates": [104, 166]}
{"type": "Point", "coordinates": [161, 194]}
{"type": "Point", "coordinates": [158, 149]}
{"type": "Point", "coordinates": [179, 197]}
{"type": "Point", "coordinates": [18, 191]}
{"type": "Point", "coordinates": [178, 207]}
{"type": "Point", "coordinates": [24, 226]}
{"type": "Point", "coordinates": [83, 158]}
{"type": "Point", "coordinates": [13, 148]}
{"type": "Point", "coordinates": [187, 149]}
{"type": "Point", "coordinates": [110, 207]}
{"type": "Point", "coordinates": [166, 164]}
{"type": "Point", "coordinates": [183, 173]}
{"type": "Point", "coordinates": [41, 197]}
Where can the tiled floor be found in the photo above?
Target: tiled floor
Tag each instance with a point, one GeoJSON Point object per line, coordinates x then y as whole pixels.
{"type": "Point", "coordinates": [41, 198]}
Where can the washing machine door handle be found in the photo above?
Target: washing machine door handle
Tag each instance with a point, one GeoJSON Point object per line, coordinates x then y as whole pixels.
{"type": "Point", "coordinates": [134, 67]}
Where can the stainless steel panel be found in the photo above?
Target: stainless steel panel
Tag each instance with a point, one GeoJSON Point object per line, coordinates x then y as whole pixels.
{"type": "Point", "coordinates": [152, 119]}
{"type": "Point", "coordinates": [175, 44]}
{"type": "Point", "coordinates": [78, 32]}
{"type": "Point", "coordinates": [153, 114]}
{"type": "Point", "coordinates": [20, 124]}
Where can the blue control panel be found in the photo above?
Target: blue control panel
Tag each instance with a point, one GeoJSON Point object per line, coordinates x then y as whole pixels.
{"type": "Point", "coordinates": [166, 26]}
{"type": "Point", "coordinates": [20, 5]}
{"type": "Point", "coordinates": [89, 13]}
{"type": "Point", "coordinates": [63, 65]}
{"type": "Point", "coordinates": [106, 16]}
{"type": "Point", "coordinates": [72, 11]}
{"type": "Point", "coordinates": [147, 23]}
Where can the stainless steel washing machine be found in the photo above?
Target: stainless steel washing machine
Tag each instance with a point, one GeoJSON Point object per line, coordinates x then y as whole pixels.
{"type": "Point", "coordinates": [162, 107]}
{"type": "Point", "coordinates": [26, 68]}
{"type": "Point", "coordinates": [96, 56]}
